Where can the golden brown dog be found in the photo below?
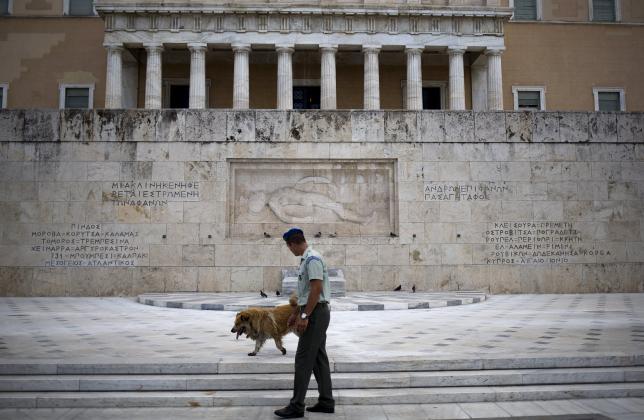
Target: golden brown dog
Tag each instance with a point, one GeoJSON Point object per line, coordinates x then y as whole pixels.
{"type": "Point", "coordinates": [261, 324]}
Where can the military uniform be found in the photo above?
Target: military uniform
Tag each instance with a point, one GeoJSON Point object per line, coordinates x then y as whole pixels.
{"type": "Point", "coordinates": [311, 349]}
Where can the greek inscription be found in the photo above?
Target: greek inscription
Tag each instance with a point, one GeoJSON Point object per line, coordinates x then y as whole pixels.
{"type": "Point", "coordinates": [468, 191]}
{"type": "Point", "coordinates": [87, 245]}
{"type": "Point", "coordinates": [536, 243]}
{"type": "Point", "coordinates": [151, 193]}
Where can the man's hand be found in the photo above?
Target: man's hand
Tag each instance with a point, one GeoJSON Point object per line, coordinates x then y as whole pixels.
{"type": "Point", "coordinates": [301, 325]}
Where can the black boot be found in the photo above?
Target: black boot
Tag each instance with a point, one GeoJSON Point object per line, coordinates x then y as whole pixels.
{"type": "Point", "coordinates": [317, 408]}
{"type": "Point", "coordinates": [289, 412]}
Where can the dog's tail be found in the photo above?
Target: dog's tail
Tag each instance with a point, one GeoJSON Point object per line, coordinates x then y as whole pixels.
{"type": "Point", "coordinates": [293, 300]}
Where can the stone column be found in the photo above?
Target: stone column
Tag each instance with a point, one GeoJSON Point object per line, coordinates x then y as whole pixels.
{"type": "Point", "coordinates": [197, 75]}
{"type": "Point", "coordinates": [153, 76]}
{"type": "Point", "coordinates": [456, 78]}
{"type": "Point", "coordinates": [114, 81]}
{"type": "Point", "coordinates": [328, 95]}
{"type": "Point", "coordinates": [284, 76]}
{"type": "Point", "coordinates": [371, 77]}
{"type": "Point", "coordinates": [494, 79]}
{"type": "Point", "coordinates": [414, 78]}
{"type": "Point", "coordinates": [241, 91]}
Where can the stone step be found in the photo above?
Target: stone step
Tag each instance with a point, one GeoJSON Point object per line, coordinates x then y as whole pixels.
{"type": "Point", "coordinates": [222, 382]}
{"type": "Point", "coordinates": [279, 398]}
{"type": "Point", "coordinates": [284, 364]}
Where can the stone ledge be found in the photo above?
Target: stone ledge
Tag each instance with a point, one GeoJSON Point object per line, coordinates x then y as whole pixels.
{"type": "Point", "coordinates": [343, 126]}
{"type": "Point", "coordinates": [374, 301]}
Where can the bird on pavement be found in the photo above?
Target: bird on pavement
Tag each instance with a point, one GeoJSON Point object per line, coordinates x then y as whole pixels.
{"type": "Point", "coordinates": [277, 293]}
{"type": "Point", "coordinates": [318, 235]}
{"type": "Point", "coordinates": [262, 294]}
{"type": "Point", "coordinates": [398, 289]}
{"type": "Point", "coordinates": [413, 288]}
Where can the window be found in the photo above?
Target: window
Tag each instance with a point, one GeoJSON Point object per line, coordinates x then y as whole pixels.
{"type": "Point", "coordinates": [5, 7]}
{"type": "Point", "coordinates": [76, 96]}
{"type": "Point", "coordinates": [603, 10]}
{"type": "Point", "coordinates": [609, 99]}
{"type": "Point", "coordinates": [526, 10]}
{"type": "Point", "coordinates": [306, 97]}
{"type": "Point", "coordinates": [529, 98]}
{"type": "Point", "coordinates": [79, 7]}
{"type": "Point", "coordinates": [3, 95]}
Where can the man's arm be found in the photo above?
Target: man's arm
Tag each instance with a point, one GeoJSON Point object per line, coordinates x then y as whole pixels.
{"type": "Point", "coordinates": [314, 297]}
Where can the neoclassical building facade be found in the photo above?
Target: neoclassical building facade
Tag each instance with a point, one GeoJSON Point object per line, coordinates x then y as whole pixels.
{"type": "Point", "coordinates": [413, 54]}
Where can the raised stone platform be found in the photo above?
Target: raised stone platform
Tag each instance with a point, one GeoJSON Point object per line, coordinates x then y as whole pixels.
{"type": "Point", "coordinates": [373, 301]}
{"type": "Point", "coordinates": [336, 279]}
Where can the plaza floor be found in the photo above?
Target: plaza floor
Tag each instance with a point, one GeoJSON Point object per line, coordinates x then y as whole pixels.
{"type": "Point", "coordinates": [54, 331]}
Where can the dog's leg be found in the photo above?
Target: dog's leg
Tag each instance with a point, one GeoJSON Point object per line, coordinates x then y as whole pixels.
{"type": "Point", "coordinates": [258, 345]}
{"type": "Point", "coordinates": [280, 346]}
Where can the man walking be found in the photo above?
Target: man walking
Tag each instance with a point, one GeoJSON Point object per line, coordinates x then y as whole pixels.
{"type": "Point", "coordinates": [311, 319]}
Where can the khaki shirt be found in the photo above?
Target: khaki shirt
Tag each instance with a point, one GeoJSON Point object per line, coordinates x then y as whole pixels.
{"type": "Point", "coordinates": [312, 267]}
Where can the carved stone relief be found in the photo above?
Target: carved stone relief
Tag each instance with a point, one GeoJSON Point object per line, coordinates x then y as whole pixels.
{"type": "Point", "coordinates": [331, 198]}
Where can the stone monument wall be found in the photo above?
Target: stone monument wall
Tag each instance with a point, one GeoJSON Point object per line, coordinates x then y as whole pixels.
{"type": "Point", "coordinates": [103, 203]}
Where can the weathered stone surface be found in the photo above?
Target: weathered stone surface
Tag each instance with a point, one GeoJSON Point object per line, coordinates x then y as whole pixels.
{"type": "Point", "coordinates": [573, 127]}
{"type": "Point", "coordinates": [546, 127]}
{"type": "Point", "coordinates": [271, 126]}
{"type": "Point", "coordinates": [602, 127]}
{"type": "Point", "coordinates": [630, 127]}
{"type": "Point", "coordinates": [76, 125]}
{"type": "Point", "coordinates": [319, 126]}
{"type": "Point", "coordinates": [404, 167]}
{"type": "Point", "coordinates": [519, 126]}
{"type": "Point", "coordinates": [240, 126]}
{"type": "Point", "coordinates": [459, 126]}
{"type": "Point", "coordinates": [11, 124]}
{"type": "Point", "coordinates": [401, 126]}
{"type": "Point", "coordinates": [367, 126]}
{"type": "Point", "coordinates": [41, 125]}
{"type": "Point", "coordinates": [431, 126]}
{"type": "Point", "coordinates": [489, 127]}
{"type": "Point", "coordinates": [205, 125]}
{"type": "Point", "coordinates": [171, 125]}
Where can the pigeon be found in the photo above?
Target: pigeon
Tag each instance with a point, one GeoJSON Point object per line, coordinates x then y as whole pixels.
{"type": "Point", "coordinates": [333, 235]}
{"type": "Point", "coordinates": [262, 294]}
{"type": "Point", "coordinates": [317, 235]}
{"type": "Point", "coordinates": [277, 293]}
{"type": "Point", "coordinates": [393, 235]}
{"type": "Point", "coordinates": [398, 289]}
{"type": "Point", "coordinates": [266, 235]}
{"type": "Point", "coordinates": [413, 288]}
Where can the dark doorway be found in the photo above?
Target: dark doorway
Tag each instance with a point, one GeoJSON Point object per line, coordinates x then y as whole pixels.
{"type": "Point", "coordinates": [179, 96]}
{"type": "Point", "coordinates": [432, 97]}
{"type": "Point", "coordinates": [306, 97]}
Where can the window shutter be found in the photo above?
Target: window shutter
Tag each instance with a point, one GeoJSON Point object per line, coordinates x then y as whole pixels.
{"type": "Point", "coordinates": [525, 9]}
{"type": "Point", "coordinates": [609, 101]}
{"type": "Point", "coordinates": [4, 7]}
{"type": "Point", "coordinates": [81, 7]}
{"type": "Point", "coordinates": [604, 10]}
{"type": "Point", "coordinates": [529, 99]}
{"type": "Point", "coordinates": [1, 96]}
{"type": "Point", "coordinates": [77, 98]}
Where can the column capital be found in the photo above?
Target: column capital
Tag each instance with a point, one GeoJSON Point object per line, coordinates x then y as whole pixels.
{"type": "Point", "coordinates": [117, 46]}
{"type": "Point", "coordinates": [328, 48]}
{"type": "Point", "coordinates": [197, 46]}
{"type": "Point", "coordinates": [240, 47]}
{"type": "Point", "coordinates": [153, 46]}
{"type": "Point", "coordinates": [414, 49]}
{"type": "Point", "coordinates": [456, 50]}
{"type": "Point", "coordinates": [494, 51]}
{"type": "Point", "coordinates": [371, 49]}
{"type": "Point", "coordinates": [285, 48]}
